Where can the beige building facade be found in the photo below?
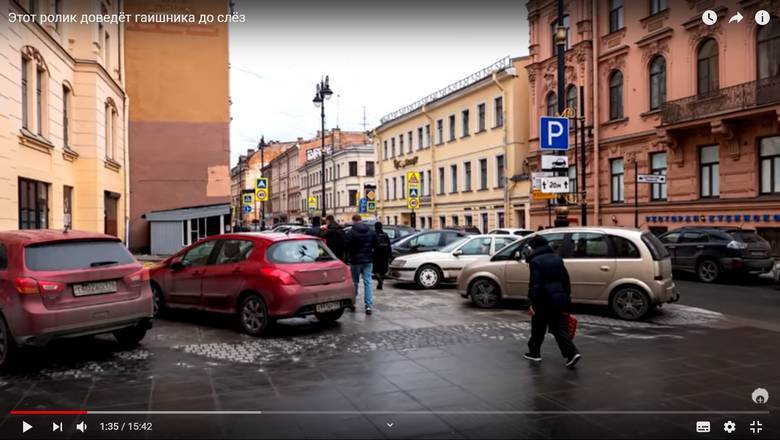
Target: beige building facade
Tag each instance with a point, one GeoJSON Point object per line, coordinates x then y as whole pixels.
{"type": "Point", "coordinates": [469, 143]}
{"type": "Point", "coordinates": [63, 148]}
{"type": "Point", "coordinates": [243, 175]}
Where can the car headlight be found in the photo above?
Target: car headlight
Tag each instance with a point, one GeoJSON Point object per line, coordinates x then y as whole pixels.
{"type": "Point", "coordinates": [398, 263]}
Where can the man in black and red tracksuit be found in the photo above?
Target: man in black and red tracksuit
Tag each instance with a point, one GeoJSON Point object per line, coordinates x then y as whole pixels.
{"type": "Point", "coordinates": [549, 292]}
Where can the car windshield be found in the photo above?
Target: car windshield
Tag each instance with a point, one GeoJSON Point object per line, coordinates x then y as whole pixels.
{"type": "Point", "coordinates": [657, 249]}
{"type": "Point", "coordinates": [454, 245]}
{"type": "Point", "coordinates": [299, 251]}
{"type": "Point", "coordinates": [74, 255]}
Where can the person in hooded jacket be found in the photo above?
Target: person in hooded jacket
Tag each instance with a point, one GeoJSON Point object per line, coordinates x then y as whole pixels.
{"type": "Point", "coordinates": [549, 291]}
{"type": "Point", "coordinates": [335, 237]}
{"type": "Point", "coordinates": [382, 254]}
{"type": "Point", "coordinates": [361, 244]}
{"type": "Point", "coordinates": [315, 230]}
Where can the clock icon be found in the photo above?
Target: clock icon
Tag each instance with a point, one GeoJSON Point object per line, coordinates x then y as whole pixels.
{"type": "Point", "coordinates": [709, 17]}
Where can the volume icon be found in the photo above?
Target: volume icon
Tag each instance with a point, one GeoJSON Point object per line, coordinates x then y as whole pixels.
{"type": "Point", "coordinates": [81, 427]}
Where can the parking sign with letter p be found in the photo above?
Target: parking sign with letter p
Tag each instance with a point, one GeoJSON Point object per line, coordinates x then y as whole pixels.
{"type": "Point", "coordinates": [553, 133]}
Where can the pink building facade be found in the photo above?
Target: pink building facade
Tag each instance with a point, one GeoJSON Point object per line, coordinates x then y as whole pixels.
{"type": "Point", "coordinates": [667, 94]}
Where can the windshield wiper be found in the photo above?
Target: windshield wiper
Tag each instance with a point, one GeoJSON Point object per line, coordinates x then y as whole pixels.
{"type": "Point", "coordinates": [103, 263]}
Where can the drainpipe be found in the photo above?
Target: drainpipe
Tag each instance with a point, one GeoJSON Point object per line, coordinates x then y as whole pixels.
{"type": "Point", "coordinates": [595, 123]}
{"type": "Point", "coordinates": [507, 210]}
{"type": "Point", "coordinates": [126, 134]}
{"type": "Point", "coordinates": [380, 180]}
{"type": "Point", "coordinates": [432, 187]}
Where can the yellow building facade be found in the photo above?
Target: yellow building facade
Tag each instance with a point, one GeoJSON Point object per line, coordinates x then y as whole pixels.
{"type": "Point", "coordinates": [63, 149]}
{"type": "Point", "coordinates": [469, 142]}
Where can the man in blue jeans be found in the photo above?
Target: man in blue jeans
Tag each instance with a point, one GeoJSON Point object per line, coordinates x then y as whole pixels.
{"type": "Point", "coordinates": [361, 244]}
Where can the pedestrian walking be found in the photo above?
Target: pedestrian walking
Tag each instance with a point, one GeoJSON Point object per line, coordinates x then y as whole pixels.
{"type": "Point", "coordinates": [315, 230]}
{"type": "Point", "coordinates": [335, 237]}
{"type": "Point", "coordinates": [361, 244]}
{"type": "Point", "coordinates": [549, 292]}
{"type": "Point", "coordinates": [382, 254]}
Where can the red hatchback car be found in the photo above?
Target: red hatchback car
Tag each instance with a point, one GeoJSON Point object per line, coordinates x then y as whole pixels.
{"type": "Point", "coordinates": [260, 277]}
{"type": "Point", "coordinates": [56, 284]}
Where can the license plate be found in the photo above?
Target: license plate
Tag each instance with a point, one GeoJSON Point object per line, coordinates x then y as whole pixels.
{"type": "Point", "coordinates": [758, 253]}
{"type": "Point", "coordinates": [97, 288]}
{"type": "Point", "coordinates": [327, 307]}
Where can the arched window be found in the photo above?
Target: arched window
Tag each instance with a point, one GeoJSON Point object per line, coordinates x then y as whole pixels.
{"type": "Point", "coordinates": [616, 95]}
{"type": "Point", "coordinates": [768, 46]}
{"type": "Point", "coordinates": [657, 82]}
{"type": "Point", "coordinates": [707, 67]}
{"type": "Point", "coordinates": [571, 97]}
{"type": "Point", "coordinates": [552, 104]}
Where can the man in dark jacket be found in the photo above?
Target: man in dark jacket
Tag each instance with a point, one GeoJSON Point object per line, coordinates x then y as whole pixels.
{"type": "Point", "coordinates": [334, 237]}
{"type": "Point", "coordinates": [361, 244]}
{"type": "Point", "coordinates": [315, 230]}
{"type": "Point", "coordinates": [549, 292]}
{"type": "Point", "coordinates": [382, 254]}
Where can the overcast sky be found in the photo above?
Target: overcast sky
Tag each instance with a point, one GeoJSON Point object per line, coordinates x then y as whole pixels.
{"type": "Point", "coordinates": [379, 55]}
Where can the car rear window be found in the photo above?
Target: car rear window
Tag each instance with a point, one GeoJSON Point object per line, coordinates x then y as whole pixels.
{"type": "Point", "coordinates": [657, 249]}
{"type": "Point", "coordinates": [299, 251]}
{"type": "Point", "coordinates": [747, 236]}
{"type": "Point", "coordinates": [74, 255]}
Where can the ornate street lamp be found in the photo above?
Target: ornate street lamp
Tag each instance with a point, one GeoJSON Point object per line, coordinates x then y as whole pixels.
{"type": "Point", "coordinates": [261, 147]}
{"type": "Point", "coordinates": [322, 94]}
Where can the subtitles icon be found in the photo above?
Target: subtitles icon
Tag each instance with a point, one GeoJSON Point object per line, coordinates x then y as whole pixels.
{"type": "Point", "coordinates": [703, 427]}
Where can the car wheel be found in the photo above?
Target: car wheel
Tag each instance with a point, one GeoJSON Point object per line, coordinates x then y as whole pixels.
{"type": "Point", "coordinates": [707, 271]}
{"type": "Point", "coordinates": [130, 336]}
{"type": "Point", "coordinates": [158, 301]}
{"type": "Point", "coordinates": [428, 277]}
{"type": "Point", "coordinates": [253, 315]}
{"type": "Point", "coordinates": [7, 345]}
{"type": "Point", "coordinates": [329, 316]}
{"type": "Point", "coordinates": [630, 303]}
{"type": "Point", "coordinates": [484, 293]}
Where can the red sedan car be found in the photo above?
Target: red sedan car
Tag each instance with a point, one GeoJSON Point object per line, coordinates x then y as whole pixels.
{"type": "Point", "coordinates": [56, 284]}
{"type": "Point", "coordinates": [260, 277]}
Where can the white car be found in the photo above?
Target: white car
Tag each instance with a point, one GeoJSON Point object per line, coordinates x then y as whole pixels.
{"type": "Point", "coordinates": [511, 231]}
{"type": "Point", "coordinates": [429, 269]}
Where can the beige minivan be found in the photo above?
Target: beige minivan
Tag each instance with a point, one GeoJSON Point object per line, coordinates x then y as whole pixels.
{"type": "Point", "coordinates": [627, 269]}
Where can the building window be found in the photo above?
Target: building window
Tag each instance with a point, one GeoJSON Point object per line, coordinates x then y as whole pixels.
{"type": "Point", "coordinates": [500, 171]}
{"type": "Point", "coordinates": [500, 216]}
{"type": "Point", "coordinates": [401, 145]}
{"type": "Point", "coordinates": [616, 95]}
{"type": "Point", "coordinates": [25, 108]}
{"type": "Point", "coordinates": [467, 176]}
{"type": "Point", "coordinates": [709, 171]}
{"type": "Point", "coordinates": [67, 207]}
{"type": "Point", "coordinates": [554, 31]}
{"type": "Point", "coordinates": [770, 165]}
{"type": "Point", "coordinates": [483, 178]}
{"type": "Point", "coordinates": [440, 189]}
{"type": "Point", "coordinates": [768, 45]}
{"type": "Point", "coordinates": [39, 100]}
{"type": "Point", "coordinates": [402, 181]}
{"type": "Point", "coordinates": [615, 15]}
{"type": "Point", "coordinates": [352, 197]}
{"type": "Point", "coordinates": [66, 95]}
{"type": "Point", "coordinates": [422, 182]}
{"type": "Point", "coordinates": [469, 220]}
{"type": "Point", "coordinates": [395, 188]}
{"type": "Point", "coordinates": [658, 166]}
{"type": "Point", "coordinates": [387, 189]}
{"type": "Point", "coordinates": [420, 138]}
{"type": "Point", "coordinates": [385, 149]}
{"type": "Point", "coordinates": [498, 112]}
{"type": "Point", "coordinates": [707, 67]}
{"type": "Point", "coordinates": [430, 181]}
{"type": "Point", "coordinates": [110, 141]}
{"type": "Point", "coordinates": [464, 123]}
{"type": "Point", "coordinates": [657, 6]}
{"type": "Point", "coordinates": [439, 131]}
{"type": "Point", "coordinates": [454, 220]}
{"type": "Point", "coordinates": [395, 219]}
{"type": "Point", "coordinates": [452, 127]}
{"type": "Point", "coordinates": [484, 220]}
{"type": "Point", "coordinates": [33, 204]}
{"type": "Point", "coordinates": [353, 168]}
{"type": "Point", "coordinates": [572, 179]}
{"type": "Point", "coordinates": [571, 98]}
{"type": "Point", "coordinates": [442, 221]}
{"type": "Point", "coordinates": [616, 171]}
{"type": "Point", "coordinates": [552, 104]}
{"type": "Point", "coordinates": [657, 82]}
{"type": "Point", "coordinates": [480, 117]}
{"type": "Point", "coordinates": [428, 135]}
{"type": "Point", "coordinates": [392, 147]}
{"type": "Point", "coordinates": [453, 178]}
{"type": "Point", "coordinates": [369, 169]}
{"type": "Point", "coordinates": [422, 222]}
{"type": "Point", "coordinates": [107, 52]}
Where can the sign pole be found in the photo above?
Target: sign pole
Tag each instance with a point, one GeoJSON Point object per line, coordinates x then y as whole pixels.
{"type": "Point", "coordinates": [584, 201]}
{"type": "Point", "coordinates": [636, 194]}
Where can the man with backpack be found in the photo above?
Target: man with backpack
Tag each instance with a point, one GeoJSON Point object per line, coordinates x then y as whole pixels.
{"type": "Point", "coordinates": [382, 254]}
{"type": "Point", "coordinates": [361, 245]}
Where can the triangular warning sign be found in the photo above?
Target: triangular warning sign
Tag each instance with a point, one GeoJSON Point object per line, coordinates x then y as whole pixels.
{"type": "Point", "coordinates": [413, 179]}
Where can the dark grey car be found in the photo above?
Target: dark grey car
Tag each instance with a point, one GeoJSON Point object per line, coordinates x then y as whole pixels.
{"type": "Point", "coordinates": [710, 252]}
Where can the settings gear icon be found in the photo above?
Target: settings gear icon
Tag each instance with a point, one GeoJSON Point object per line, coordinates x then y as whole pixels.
{"type": "Point", "coordinates": [729, 426]}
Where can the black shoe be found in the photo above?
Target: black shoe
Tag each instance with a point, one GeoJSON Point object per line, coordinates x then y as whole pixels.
{"type": "Point", "coordinates": [572, 361]}
{"type": "Point", "coordinates": [533, 357]}
{"type": "Point", "coordinates": [379, 287]}
{"type": "Point", "coordinates": [368, 311]}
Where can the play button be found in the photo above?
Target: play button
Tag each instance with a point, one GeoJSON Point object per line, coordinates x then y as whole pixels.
{"type": "Point", "coordinates": [25, 426]}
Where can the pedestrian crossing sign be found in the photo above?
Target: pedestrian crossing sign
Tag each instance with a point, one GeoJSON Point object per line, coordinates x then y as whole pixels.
{"type": "Point", "coordinates": [248, 199]}
{"type": "Point", "coordinates": [261, 183]}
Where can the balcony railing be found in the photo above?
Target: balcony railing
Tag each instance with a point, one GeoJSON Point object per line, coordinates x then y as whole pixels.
{"type": "Point", "coordinates": [736, 98]}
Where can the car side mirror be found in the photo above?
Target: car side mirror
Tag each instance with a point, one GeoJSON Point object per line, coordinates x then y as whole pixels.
{"type": "Point", "coordinates": [177, 265]}
{"type": "Point", "coordinates": [457, 252]}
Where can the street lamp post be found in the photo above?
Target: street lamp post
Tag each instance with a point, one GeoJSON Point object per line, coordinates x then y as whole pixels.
{"type": "Point", "coordinates": [322, 94]}
{"type": "Point", "coordinates": [261, 146]}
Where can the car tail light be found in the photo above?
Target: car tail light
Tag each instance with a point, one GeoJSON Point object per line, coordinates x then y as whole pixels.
{"type": "Point", "coordinates": [31, 286]}
{"type": "Point", "coordinates": [279, 275]}
{"type": "Point", "coordinates": [734, 244]}
{"type": "Point", "coordinates": [139, 277]}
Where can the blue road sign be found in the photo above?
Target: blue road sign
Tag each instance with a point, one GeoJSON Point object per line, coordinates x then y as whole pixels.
{"type": "Point", "coordinates": [247, 209]}
{"type": "Point", "coordinates": [262, 183]}
{"type": "Point", "coordinates": [553, 133]}
{"type": "Point", "coordinates": [414, 192]}
{"type": "Point", "coordinates": [363, 206]}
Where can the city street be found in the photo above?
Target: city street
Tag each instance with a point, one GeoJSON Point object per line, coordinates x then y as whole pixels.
{"type": "Point", "coordinates": [426, 364]}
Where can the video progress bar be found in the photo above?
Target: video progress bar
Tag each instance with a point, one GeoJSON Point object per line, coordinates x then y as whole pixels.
{"type": "Point", "coordinates": [431, 412]}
